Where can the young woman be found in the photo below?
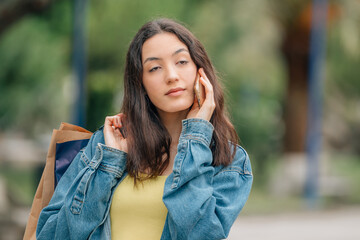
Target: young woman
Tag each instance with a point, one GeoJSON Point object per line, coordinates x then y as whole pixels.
{"type": "Point", "coordinates": [164, 168]}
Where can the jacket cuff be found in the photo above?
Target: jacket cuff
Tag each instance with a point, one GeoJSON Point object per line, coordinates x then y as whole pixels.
{"type": "Point", "coordinates": [111, 159]}
{"type": "Point", "coordinates": [197, 129]}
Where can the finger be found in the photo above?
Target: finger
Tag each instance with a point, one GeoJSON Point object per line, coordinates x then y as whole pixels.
{"type": "Point", "coordinates": [115, 124]}
{"type": "Point", "coordinates": [116, 120]}
{"type": "Point", "coordinates": [202, 73]}
{"type": "Point", "coordinates": [209, 102]}
{"type": "Point", "coordinates": [205, 78]}
{"type": "Point", "coordinates": [208, 86]}
{"type": "Point", "coordinates": [109, 121]}
{"type": "Point", "coordinates": [121, 123]}
{"type": "Point", "coordinates": [122, 118]}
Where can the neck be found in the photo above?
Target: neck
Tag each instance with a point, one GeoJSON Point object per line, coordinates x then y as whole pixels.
{"type": "Point", "coordinates": [172, 122]}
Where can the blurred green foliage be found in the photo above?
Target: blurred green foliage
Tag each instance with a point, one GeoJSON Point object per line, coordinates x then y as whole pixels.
{"type": "Point", "coordinates": [34, 63]}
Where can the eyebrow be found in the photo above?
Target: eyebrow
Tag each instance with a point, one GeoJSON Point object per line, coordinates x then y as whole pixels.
{"type": "Point", "coordinates": [156, 58]}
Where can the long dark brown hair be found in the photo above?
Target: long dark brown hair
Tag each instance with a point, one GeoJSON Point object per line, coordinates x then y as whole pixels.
{"type": "Point", "coordinates": [147, 138]}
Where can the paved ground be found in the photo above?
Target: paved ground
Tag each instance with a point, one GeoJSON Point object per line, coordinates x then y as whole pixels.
{"type": "Point", "coordinates": [341, 224]}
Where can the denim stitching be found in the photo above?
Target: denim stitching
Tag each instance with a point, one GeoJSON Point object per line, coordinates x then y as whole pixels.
{"type": "Point", "coordinates": [110, 170]}
{"type": "Point", "coordinates": [79, 197]}
{"type": "Point", "coordinates": [241, 172]}
{"type": "Point", "coordinates": [177, 171]}
{"type": "Point", "coordinates": [110, 148]}
{"type": "Point", "coordinates": [246, 161]}
{"type": "Point", "coordinates": [186, 126]}
{"type": "Point", "coordinates": [85, 159]}
{"type": "Point", "coordinates": [94, 163]}
{"type": "Point", "coordinates": [200, 139]}
{"type": "Point", "coordinates": [196, 120]}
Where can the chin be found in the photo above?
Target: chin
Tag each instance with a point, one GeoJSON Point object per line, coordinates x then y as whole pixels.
{"type": "Point", "coordinates": [179, 107]}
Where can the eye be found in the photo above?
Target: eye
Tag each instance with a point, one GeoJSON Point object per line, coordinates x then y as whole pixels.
{"type": "Point", "coordinates": [183, 62]}
{"type": "Point", "coordinates": [154, 69]}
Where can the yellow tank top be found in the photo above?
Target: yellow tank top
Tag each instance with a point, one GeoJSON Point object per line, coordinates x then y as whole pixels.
{"type": "Point", "coordinates": [138, 212]}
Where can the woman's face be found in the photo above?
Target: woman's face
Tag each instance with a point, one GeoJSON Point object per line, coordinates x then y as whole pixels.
{"type": "Point", "coordinates": [168, 73]}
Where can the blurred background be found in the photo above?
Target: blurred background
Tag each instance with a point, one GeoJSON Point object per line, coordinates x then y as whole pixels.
{"type": "Point", "coordinates": [291, 70]}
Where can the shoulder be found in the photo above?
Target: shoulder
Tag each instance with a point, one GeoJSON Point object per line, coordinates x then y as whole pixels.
{"type": "Point", "coordinates": [240, 163]}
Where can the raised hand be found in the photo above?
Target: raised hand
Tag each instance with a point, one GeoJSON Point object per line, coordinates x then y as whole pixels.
{"type": "Point", "coordinates": [208, 106]}
{"type": "Point", "coordinates": [112, 134]}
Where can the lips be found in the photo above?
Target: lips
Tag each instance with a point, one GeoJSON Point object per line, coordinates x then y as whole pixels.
{"type": "Point", "coordinates": [174, 90]}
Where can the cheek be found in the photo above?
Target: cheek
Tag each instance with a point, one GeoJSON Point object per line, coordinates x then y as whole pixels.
{"type": "Point", "coordinates": [191, 75]}
{"type": "Point", "coordinates": [149, 86]}
{"type": "Point", "coordinates": [153, 93]}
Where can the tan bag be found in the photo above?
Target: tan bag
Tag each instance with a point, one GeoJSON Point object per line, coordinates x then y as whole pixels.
{"type": "Point", "coordinates": [67, 132]}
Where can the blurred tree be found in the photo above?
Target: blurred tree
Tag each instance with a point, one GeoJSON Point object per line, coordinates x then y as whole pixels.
{"type": "Point", "coordinates": [34, 56]}
{"type": "Point", "coordinates": [296, 48]}
{"type": "Point", "coordinates": [295, 17]}
{"type": "Point", "coordinates": [12, 11]}
{"type": "Point", "coordinates": [342, 129]}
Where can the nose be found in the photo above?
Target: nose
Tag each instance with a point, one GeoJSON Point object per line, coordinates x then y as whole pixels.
{"type": "Point", "coordinates": [171, 74]}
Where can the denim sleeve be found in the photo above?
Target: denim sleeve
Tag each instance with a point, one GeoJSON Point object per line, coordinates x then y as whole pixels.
{"type": "Point", "coordinates": [200, 203]}
{"type": "Point", "coordinates": [85, 186]}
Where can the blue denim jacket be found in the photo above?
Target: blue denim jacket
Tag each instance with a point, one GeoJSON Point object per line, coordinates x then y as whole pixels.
{"type": "Point", "coordinates": [202, 201]}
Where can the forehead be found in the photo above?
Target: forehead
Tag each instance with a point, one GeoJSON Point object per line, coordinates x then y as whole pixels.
{"type": "Point", "coordinates": [160, 45]}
